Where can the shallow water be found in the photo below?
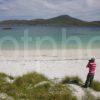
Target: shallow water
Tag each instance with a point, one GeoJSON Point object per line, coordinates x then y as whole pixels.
{"type": "Point", "coordinates": [48, 37]}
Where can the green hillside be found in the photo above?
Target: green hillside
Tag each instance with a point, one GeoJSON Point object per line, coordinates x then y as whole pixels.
{"type": "Point", "coordinates": [63, 20]}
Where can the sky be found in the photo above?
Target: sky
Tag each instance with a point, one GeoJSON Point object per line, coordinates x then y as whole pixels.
{"type": "Point", "coordinates": [88, 10]}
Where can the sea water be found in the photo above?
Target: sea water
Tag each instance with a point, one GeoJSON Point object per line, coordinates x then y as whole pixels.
{"type": "Point", "coordinates": [49, 37]}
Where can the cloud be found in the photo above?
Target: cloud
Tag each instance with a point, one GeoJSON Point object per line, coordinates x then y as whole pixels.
{"type": "Point", "coordinates": [94, 3]}
{"type": "Point", "coordinates": [29, 9]}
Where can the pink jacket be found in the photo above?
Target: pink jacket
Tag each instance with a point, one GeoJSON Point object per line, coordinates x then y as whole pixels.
{"type": "Point", "coordinates": [92, 67]}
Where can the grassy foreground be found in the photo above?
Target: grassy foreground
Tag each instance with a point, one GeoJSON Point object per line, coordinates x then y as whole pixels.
{"type": "Point", "coordinates": [76, 80]}
{"type": "Point", "coordinates": [34, 86]}
{"type": "Point", "coordinates": [96, 86]}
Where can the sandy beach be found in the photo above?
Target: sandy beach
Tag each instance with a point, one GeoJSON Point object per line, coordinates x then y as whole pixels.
{"type": "Point", "coordinates": [52, 63]}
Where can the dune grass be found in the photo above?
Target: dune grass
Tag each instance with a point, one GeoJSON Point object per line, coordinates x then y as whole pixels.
{"type": "Point", "coordinates": [34, 86]}
{"type": "Point", "coordinates": [24, 88]}
{"type": "Point", "coordinates": [98, 98]}
{"type": "Point", "coordinates": [96, 85]}
{"type": "Point", "coordinates": [3, 83]}
{"type": "Point", "coordinates": [75, 79]}
{"type": "Point", "coordinates": [61, 92]}
{"type": "Point", "coordinates": [89, 96]}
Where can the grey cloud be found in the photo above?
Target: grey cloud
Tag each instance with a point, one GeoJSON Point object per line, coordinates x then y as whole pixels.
{"type": "Point", "coordinates": [82, 9]}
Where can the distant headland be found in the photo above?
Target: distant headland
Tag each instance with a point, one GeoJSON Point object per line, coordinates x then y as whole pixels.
{"type": "Point", "coordinates": [63, 20]}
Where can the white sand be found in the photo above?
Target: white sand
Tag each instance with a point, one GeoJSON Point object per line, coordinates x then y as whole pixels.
{"type": "Point", "coordinates": [53, 64]}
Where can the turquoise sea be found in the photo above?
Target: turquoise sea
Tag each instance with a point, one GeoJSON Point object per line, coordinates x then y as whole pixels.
{"type": "Point", "coordinates": [48, 37]}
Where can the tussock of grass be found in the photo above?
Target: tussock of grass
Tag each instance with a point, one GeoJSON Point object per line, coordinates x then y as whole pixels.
{"type": "Point", "coordinates": [3, 82]}
{"type": "Point", "coordinates": [31, 78]}
{"type": "Point", "coordinates": [75, 80]}
{"type": "Point", "coordinates": [62, 92]}
{"type": "Point", "coordinates": [88, 96]}
{"type": "Point", "coordinates": [34, 86]}
{"type": "Point", "coordinates": [23, 88]}
{"type": "Point", "coordinates": [96, 85]}
{"type": "Point", "coordinates": [98, 98]}
{"type": "Point", "coordinates": [3, 76]}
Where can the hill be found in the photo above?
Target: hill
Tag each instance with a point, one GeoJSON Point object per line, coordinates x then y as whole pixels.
{"type": "Point", "coordinates": [63, 20]}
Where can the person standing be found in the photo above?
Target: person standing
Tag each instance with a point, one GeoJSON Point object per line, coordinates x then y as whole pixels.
{"type": "Point", "coordinates": [92, 68]}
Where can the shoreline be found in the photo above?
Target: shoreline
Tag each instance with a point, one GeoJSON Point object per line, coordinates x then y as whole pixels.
{"type": "Point", "coordinates": [52, 65]}
{"type": "Point", "coordinates": [60, 53]}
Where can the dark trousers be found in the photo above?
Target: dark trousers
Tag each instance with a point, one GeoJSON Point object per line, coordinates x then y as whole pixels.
{"type": "Point", "coordinates": [89, 80]}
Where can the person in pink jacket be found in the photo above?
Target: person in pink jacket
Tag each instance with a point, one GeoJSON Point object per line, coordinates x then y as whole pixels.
{"type": "Point", "coordinates": [92, 68]}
